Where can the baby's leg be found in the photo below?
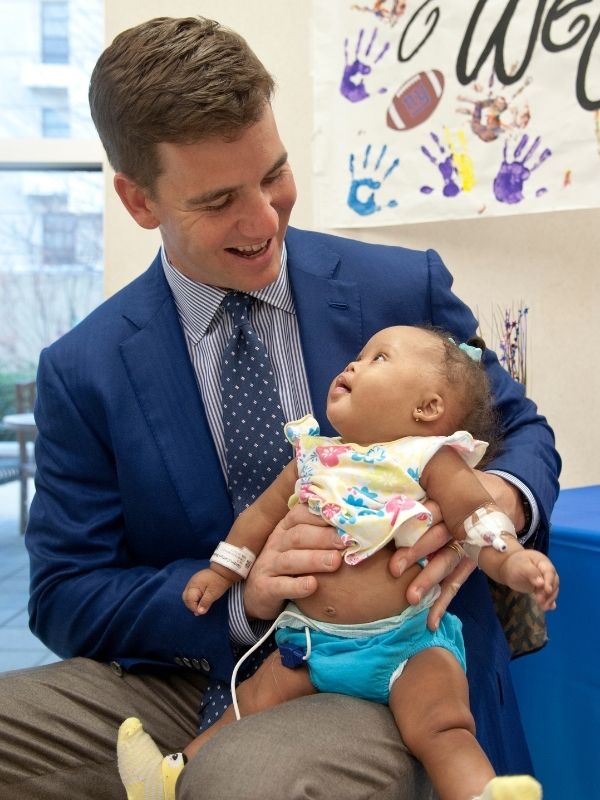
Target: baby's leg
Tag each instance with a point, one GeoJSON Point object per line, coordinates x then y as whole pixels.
{"type": "Point", "coordinates": [271, 684]}
{"type": "Point", "coordinates": [430, 703]}
{"type": "Point", "coordinates": [147, 775]}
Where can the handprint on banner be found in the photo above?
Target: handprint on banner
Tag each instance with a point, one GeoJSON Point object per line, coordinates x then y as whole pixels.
{"type": "Point", "coordinates": [493, 115]}
{"type": "Point", "coordinates": [463, 162]}
{"type": "Point", "coordinates": [361, 195]}
{"type": "Point", "coordinates": [353, 86]}
{"type": "Point", "coordinates": [453, 162]}
{"type": "Point", "coordinates": [387, 10]}
{"type": "Point", "coordinates": [511, 177]}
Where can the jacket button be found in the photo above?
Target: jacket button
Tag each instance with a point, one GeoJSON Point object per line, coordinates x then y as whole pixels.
{"type": "Point", "coordinates": [204, 665]}
{"type": "Point", "coordinates": [116, 668]}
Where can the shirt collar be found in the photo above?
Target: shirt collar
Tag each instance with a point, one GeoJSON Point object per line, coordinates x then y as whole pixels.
{"type": "Point", "coordinates": [198, 303]}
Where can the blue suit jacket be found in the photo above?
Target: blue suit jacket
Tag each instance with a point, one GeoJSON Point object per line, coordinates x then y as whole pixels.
{"type": "Point", "coordinates": [131, 499]}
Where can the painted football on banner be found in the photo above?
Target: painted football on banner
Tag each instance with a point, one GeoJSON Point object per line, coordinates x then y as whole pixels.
{"type": "Point", "coordinates": [416, 100]}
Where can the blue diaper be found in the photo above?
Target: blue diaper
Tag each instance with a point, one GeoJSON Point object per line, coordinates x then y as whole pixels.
{"type": "Point", "coordinates": [362, 664]}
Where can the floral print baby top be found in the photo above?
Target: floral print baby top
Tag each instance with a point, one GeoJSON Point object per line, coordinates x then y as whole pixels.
{"type": "Point", "coordinates": [371, 494]}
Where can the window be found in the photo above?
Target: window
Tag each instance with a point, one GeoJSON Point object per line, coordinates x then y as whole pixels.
{"type": "Point", "coordinates": [55, 32]}
{"type": "Point", "coordinates": [50, 259]}
{"type": "Point", "coordinates": [51, 184]}
{"type": "Point", "coordinates": [55, 123]}
{"type": "Point", "coordinates": [58, 237]}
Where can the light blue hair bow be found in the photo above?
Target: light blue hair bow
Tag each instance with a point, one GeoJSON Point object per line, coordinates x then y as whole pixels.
{"type": "Point", "coordinates": [474, 353]}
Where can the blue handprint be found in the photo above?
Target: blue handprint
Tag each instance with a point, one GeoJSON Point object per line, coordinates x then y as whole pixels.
{"type": "Point", "coordinates": [353, 86]}
{"type": "Point", "coordinates": [511, 177]}
{"type": "Point", "coordinates": [366, 204]}
{"type": "Point", "coordinates": [446, 166]}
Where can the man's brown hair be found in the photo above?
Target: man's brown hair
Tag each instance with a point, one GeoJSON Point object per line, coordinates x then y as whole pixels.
{"type": "Point", "coordinates": [177, 80]}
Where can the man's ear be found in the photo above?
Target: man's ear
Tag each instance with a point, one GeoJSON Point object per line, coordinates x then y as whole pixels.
{"type": "Point", "coordinates": [135, 201]}
{"type": "Point", "coordinates": [431, 409]}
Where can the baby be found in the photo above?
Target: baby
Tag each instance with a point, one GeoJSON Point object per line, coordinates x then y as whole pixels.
{"type": "Point", "coordinates": [410, 412]}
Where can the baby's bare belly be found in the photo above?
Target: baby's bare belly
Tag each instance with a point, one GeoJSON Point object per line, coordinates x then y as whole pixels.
{"type": "Point", "coordinates": [360, 593]}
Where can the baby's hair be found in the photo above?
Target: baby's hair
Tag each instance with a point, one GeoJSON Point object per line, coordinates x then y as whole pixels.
{"type": "Point", "coordinates": [468, 378]}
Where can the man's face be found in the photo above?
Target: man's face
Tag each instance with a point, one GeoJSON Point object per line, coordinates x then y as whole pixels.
{"type": "Point", "coordinates": [223, 206]}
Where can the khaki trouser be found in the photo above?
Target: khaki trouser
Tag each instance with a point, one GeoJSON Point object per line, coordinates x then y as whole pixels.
{"type": "Point", "coordinates": [58, 729]}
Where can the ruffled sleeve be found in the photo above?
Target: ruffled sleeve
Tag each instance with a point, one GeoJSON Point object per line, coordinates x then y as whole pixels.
{"type": "Point", "coordinates": [307, 426]}
{"type": "Point", "coordinates": [471, 450]}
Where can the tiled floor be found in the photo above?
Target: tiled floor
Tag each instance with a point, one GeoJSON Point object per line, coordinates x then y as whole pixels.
{"type": "Point", "coordinates": [18, 646]}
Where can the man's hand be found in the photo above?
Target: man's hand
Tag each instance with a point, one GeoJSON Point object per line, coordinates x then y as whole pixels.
{"type": "Point", "coordinates": [449, 568]}
{"type": "Point", "coordinates": [300, 545]}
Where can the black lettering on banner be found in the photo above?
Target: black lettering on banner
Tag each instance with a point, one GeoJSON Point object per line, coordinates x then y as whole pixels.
{"type": "Point", "coordinates": [584, 62]}
{"type": "Point", "coordinates": [555, 13]}
{"type": "Point", "coordinates": [577, 28]}
{"type": "Point", "coordinates": [431, 20]}
{"type": "Point", "coordinates": [496, 41]}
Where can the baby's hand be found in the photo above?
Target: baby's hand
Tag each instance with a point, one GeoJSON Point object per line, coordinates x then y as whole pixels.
{"type": "Point", "coordinates": [202, 589]}
{"type": "Point", "coordinates": [531, 572]}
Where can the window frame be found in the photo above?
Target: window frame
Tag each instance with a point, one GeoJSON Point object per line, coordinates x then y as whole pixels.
{"type": "Point", "coordinates": [50, 154]}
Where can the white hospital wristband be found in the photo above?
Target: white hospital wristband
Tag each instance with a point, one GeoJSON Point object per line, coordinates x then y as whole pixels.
{"type": "Point", "coordinates": [237, 559]}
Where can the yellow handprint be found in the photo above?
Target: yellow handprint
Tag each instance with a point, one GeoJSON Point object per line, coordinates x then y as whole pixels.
{"type": "Point", "coordinates": [457, 144]}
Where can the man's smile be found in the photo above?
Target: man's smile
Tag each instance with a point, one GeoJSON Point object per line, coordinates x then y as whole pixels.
{"type": "Point", "coordinates": [250, 250]}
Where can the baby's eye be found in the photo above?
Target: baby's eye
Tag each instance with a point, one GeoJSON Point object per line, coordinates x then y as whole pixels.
{"type": "Point", "coordinates": [379, 357]}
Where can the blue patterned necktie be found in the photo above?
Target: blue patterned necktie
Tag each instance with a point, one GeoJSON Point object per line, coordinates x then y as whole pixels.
{"type": "Point", "coordinates": [255, 446]}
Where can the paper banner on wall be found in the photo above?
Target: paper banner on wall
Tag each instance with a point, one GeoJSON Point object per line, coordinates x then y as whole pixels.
{"type": "Point", "coordinates": [431, 110]}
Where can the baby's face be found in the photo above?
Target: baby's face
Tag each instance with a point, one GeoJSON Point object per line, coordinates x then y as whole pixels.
{"type": "Point", "coordinates": [375, 398]}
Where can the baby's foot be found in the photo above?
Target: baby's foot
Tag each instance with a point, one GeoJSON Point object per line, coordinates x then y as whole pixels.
{"type": "Point", "coordinates": [512, 787]}
{"type": "Point", "coordinates": [145, 773]}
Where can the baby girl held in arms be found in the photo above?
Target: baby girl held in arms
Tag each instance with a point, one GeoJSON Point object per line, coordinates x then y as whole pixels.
{"type": "Point", "coordinates": [414, 415]}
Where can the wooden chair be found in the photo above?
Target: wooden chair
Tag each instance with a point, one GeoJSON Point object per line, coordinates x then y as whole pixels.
{"type": "Point", "coordinates": [25, 394]}
{"type": "Point", "coordinates": [17, 460]}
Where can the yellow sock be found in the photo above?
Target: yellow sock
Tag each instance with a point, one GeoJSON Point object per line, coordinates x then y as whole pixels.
{"type": "Point", "coordinates": [512, 787]}
{"type": "Point", "coordinates": [145, 773]}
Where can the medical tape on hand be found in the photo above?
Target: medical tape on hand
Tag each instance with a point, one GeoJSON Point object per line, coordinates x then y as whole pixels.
{"type": "Point", "coordinates": [237, 559]}
{"type": "Point", "coordinates": [485, 528]}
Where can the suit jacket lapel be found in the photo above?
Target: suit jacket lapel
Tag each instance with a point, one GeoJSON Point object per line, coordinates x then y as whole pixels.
{"type": "Point", "coordinates": [329, 315]}
{"type": "Point", "coordinates": [162, 376]}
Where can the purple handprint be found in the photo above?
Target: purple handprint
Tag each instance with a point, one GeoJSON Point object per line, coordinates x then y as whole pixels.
{"type": "Point", "coordinates": [446, 166]}
{"type": "Point", "coordinates": [511, 177]}
{"type": "Point", "coordinates": [353, 86]}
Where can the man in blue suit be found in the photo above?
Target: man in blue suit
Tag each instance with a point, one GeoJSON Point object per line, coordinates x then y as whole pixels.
{"type": "Point", "coordinates": [131, 488]}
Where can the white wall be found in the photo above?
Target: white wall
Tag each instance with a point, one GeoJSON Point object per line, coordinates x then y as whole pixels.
{"type": "Point", "coordinates": [549, 260]}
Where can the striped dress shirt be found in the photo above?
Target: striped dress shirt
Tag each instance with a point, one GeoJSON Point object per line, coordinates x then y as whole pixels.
{"type": "Point", "coordinates": [207, 329]}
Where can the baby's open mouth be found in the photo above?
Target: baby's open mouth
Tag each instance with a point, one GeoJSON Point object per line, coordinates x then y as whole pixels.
{"type": "Point", "coordinates": [342, 383]}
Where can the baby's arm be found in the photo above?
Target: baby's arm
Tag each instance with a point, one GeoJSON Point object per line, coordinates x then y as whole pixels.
{"type": "Point", "coordinates": [244, 541]}
{"type": "Point", "coordinates": [467, 510]}
{"type": "Point", "coordinates": [527, 571]}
